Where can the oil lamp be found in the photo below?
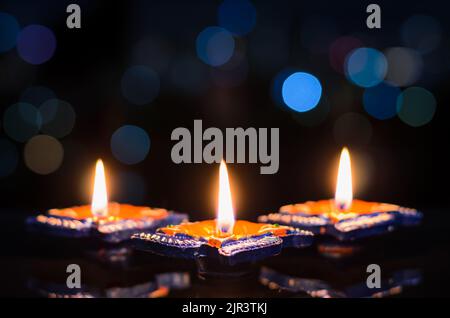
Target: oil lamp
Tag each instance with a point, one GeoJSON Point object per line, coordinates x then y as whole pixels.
{"type": "Point", "coordinates": [111, 222]}
{"type": "Point", "coordinates": [344, 217]}
{"type": "Point", "coordinates": [228, 240]}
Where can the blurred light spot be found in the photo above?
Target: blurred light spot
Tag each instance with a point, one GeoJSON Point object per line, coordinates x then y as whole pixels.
{"type": "Point", "coordinates": [130, 144]}
{"type": "Point", "coordinates": [215, 46]}
{"type": "Point", "coordinates": [421, 32]}
{"type": "Point", "coordinates": [154, 52]}
{"type": "Point", "coordinates": [43, 154]}
{"type": "Point", "coordinates": [339, 50]}
{"type": "Point", "coordinates": [318, 33]}
{"type": "Point", "coordinates": [381, 101]}
{"type": "Point", "coordinates": [132, 189]}
{"type": "Point", "coordinates": [37, 95]}
{"type": "Point", "coordinates": [21, 121]}
{"type": "Point", "coordinates": [366, 67]}
{"type": "Point", "coordinates": [405, 66]}
{"type": "Point", "coordinates": [237, 16]}
{"type": "Point", "coordinates": [36, 44]}
{"type": "Point", "coordinates": [140, 85]}
{"type": "Point", "coordinates": [9, 29]}
{"type": "Point", "coordinates": [313, 117]}
{"type": "Point", "coordinates": [58, 118]}
{"type": "Point", "coordinates": [188, 75]}
{"type": "Point", "coordinates": [416, 106]}
{"type": "Point", "coordinates": [301, 91]}
{"type": "Point", "coordinates": [9, 157]}
{"type": "Point", "coordinates": [352, 129]}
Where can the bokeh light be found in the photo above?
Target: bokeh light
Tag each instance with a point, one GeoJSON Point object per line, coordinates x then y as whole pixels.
{"type": "Point", "coordinates": [215, 46]}
{"type": "Point", "coordinates": [366, 67]}
{"type": "Point", "coordinates": [381, 101]}
{"type": "Point", "coordinates": [416, 106]}
{"type": "Point", "coordinates": [58, 118]}
{"type": "Point", "coordinates": [36, 44]}
{"type": "Point", "coordinates": [352, 129]}
{"type": "Point", "coordinates": [301, 91]}
{"type": "Point", "coordinates": [37, 95]}
{"type": "Point", "coordinates": [340, 49]}
{"type": "Point", "coordinates": [21, 121]}
{"type": "Point", "coordinates": [234, 72]}
{"type": "Point", "coordinates": [405, 66]}
{"type": "Point", "coordinates": [43, 154]}
{"type": "Point", "coordinates": [237, 16]}
{"type": "Point", "coordinates": [140, 85]}
{"type": "Point", "coordinates": [9, 29]}
{"type": "Point", "coordinates": [9, 157]}
{"type": "Point", "coordinates": [130, 144]}
{"type": "Point", "coordinates": [132, 189]}
{"type": "Point", "coordinates": [422, 33]}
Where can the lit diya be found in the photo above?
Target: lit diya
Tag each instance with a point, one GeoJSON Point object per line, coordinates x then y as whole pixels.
{"type": "Point", "coordinates": [112, 222]}
{"type": "Point", "coordinates": [343, 217]}
{"type": "Point", "coordinates": [229, 241]}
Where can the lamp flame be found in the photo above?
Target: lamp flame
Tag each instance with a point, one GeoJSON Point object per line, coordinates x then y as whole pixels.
{"type": "Point", "coordinates": [344, 190]}
{"type": "Point", "coordinates": [99, 206]}
{"type": "Point", "coordinates": [225, 213]}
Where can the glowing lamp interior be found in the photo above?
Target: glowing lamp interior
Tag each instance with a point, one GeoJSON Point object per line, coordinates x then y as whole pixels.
{"type": "Point", "coordinates": [225, 213]}
{"type": "Point", "coordinates": [99, 205]}
{"type": "Point", "coordinates": [344, 190]}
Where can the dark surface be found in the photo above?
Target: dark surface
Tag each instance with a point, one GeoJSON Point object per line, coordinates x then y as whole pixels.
{"type": "Point", "coordinates": [29, 259]}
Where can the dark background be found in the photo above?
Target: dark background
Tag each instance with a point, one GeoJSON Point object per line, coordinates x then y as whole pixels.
{"type": "Point", "coordinates": [407, 165]}
{"type": "Point", "coordinates": [399, 164]}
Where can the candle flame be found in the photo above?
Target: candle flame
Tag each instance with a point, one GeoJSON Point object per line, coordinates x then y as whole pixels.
{"type": "Point", "coordinates": [344, 190]}
{"type": "Point", "coordinates": [225, 213]}
{"type": "Point", "coordinates": [99, 206]}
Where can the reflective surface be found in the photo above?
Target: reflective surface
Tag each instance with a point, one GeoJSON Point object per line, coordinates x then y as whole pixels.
{"type": "Point", "coordinates": [413, 263]}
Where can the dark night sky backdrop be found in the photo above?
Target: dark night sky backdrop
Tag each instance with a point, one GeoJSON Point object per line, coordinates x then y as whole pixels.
{"type": "Point", "coordinates": [407, 165]}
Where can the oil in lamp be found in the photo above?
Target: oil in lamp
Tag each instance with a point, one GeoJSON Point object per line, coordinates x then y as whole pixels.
{"type": "Point", "coordinates": [111, 222]}
{"type": "Point", "coordinates": [344, 217]}
{"type": "Point", "coordinates": [224, 239]}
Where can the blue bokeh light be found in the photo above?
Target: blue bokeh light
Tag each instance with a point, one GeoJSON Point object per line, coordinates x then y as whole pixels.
{"type": "Point", "coordinates": [130, 144]}
{"type": "Point", "coordinates": [9, 157]}
{"type": "Point", "coordinates": [140, 85]}
{"type": "Point", "coordinates": [366, 67]}
{"type": "Point", "coordinates": [301, 91]}
{"type": "Point", "coordinates": [36, 44]}
{"type": "Point", "coordinates": [9, 29]}
{"type": "Point", "coordinates": [381, 101]}
{"type": "Point", "coordinates": [215, 46]}
{"type": "Point", "coordinates": [237, 16]}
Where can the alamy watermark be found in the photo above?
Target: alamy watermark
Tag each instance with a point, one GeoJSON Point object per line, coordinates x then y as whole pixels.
{"type": "Point", "coordinates": [231, 146]}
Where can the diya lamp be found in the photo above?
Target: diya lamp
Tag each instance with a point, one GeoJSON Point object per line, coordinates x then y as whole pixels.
{"type": "Point", "coordinates": [224, 241]}
{"type": "Point", "coordinates": [343, 217]}
{"type": "Point", "coordinates": [108, 221]}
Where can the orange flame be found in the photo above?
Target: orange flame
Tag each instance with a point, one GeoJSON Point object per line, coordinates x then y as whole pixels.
{"type": "Point", "coordinates": [99, 206]}
{"type": "Point", "coordinates": [344, 190]}
{"type": "Point", "coordinates": [225, 212]}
